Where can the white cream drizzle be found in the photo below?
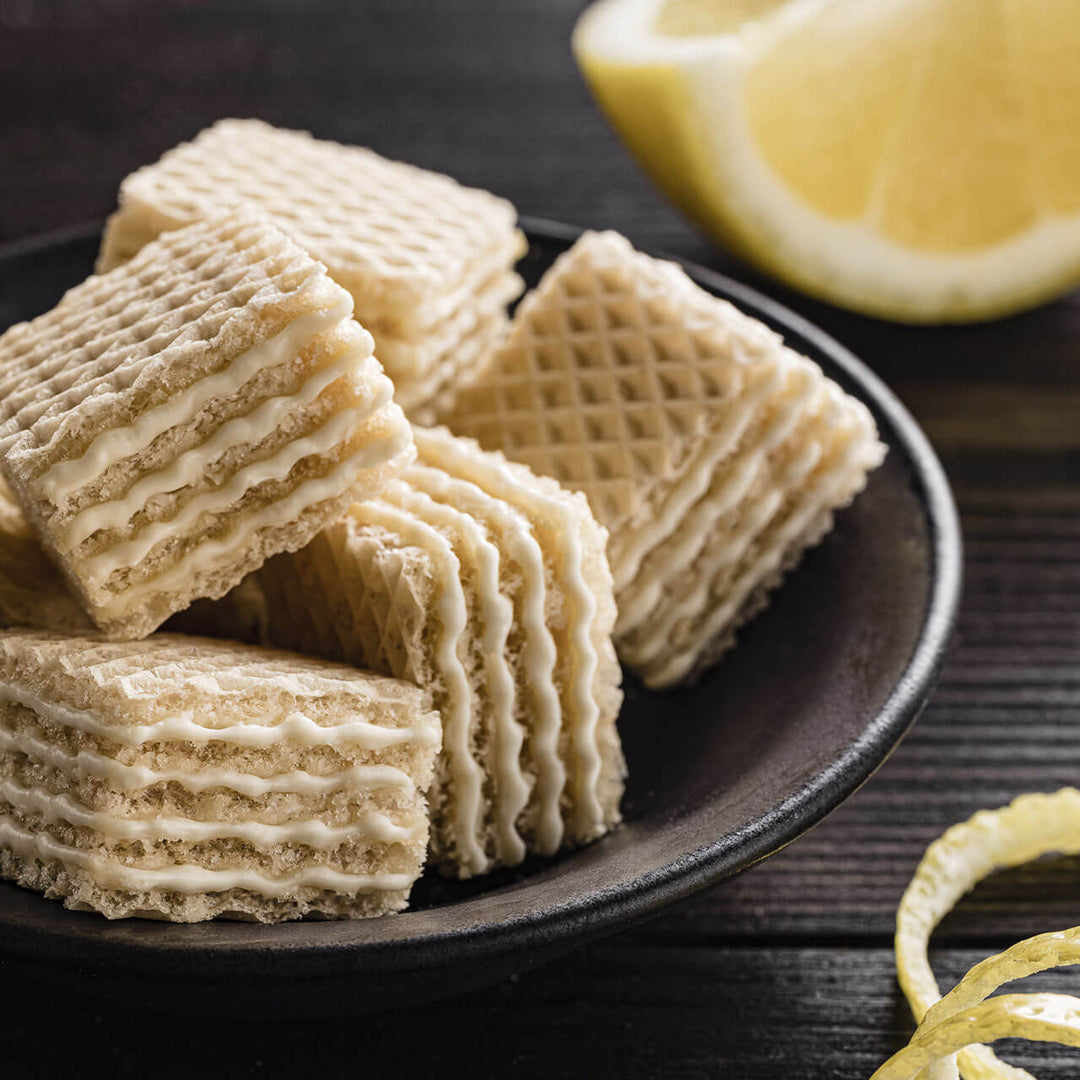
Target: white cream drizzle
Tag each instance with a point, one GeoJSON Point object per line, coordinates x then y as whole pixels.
{"type": "Point", "coordinates": [66, 477]}
{"type": "Point", "coordinates": [191, 465]}
{"type": "Point", "coordinates": [466, 774]}
{"type": "Point", "coordinates": [496, 617]}
{"type": "Point", "coordinates": [667, 519]}
{"type": "Point", "coordinates": [657, 636]}
{"type": "Point", "coordinates": [539, 654]}
{"type": "Point", "coordinates": [638, 602]}
{"type": "Point", "coordinates": [497, 479]}
{"type": "Point", "coordinates": [539, 657]}
{"type": "Point", "coordinates": [371, 827]}
{"type": "Point", "coordinates": [414, 358]}
{"type": "Point", "coordinates": [127, 778]}
{"type": "Point", "coordinates": [296, 728]}
{"type": "Point", "coordinates": [213, 553]}
{"type": "Point", "coordinates": [694, 524]}
{"type": "Point", "coordinates": [822, 494]}
{"type": "Point", "coordinates": [192, 879]}
{"type": "Point", "coordinates": [99, 567]}
{"type": "Point", "coordinates": [409, 319]}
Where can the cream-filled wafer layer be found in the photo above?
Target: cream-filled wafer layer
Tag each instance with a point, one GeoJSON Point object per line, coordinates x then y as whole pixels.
{"type": "Point", "coordinates": [777, 427]}
{"type": "Point", "coordinates": [462, 808]}
{"type": "Point", "coordinates": [388, 587]}
{"type": "Point", "coordinates": [497, 737]}
{"type": "Point", "coordinates": [417, 358]}
{"type": "Point", "coordinates": [624, 380]}
{"type": "Point", "coordinates": [172, 423]}
{"type": "Point", "coordinates": [73, 767]}
{"type": "Point", "coordinates": [491, 586]}
{"type": "Point", "coordinates": [426, 400]}
{"type": "Point", "coordinates": [183, 778]}
{"type": "Point", "coordinates": [587, 673]}
{"type": "Point", "coordinates": [411, 246]}
{"type": "Point", "coordinates": [735, 553]}
{"type": "Point", "coordinates": [510, 581]}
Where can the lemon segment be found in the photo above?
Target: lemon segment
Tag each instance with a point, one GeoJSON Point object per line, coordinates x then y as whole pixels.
{"type": "Point", "coordinates": [824, 137]}
{"type": "Point", "coordinates": [912, 159]}
{"type": "Point", "coordinates": [1044, 40]}
{"type": "Point", "coordinates": [650, 107]}
{"type": "Point", "coordinates": [958, 175]}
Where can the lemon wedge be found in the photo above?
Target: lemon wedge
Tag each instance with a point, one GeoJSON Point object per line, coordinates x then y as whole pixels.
{"type": "Point", "coordinates": [917, 160]}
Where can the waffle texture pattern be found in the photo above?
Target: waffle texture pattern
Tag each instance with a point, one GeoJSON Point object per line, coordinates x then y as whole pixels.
{"type": "Point", "coordinates": [428, 262]}
{"type": "Point", "coordinates": [713, 454]}
{"type": "Point", "coordinates": [186, 779]}
{"type": "Point", "coordinates": [173, 422]}
{"type": "Point", "coordinates": [474, 577]}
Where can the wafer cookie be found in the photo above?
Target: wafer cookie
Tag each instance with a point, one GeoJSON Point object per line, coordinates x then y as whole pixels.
{"type": "Point", "coordinates": [490, 585]}
{"type": "Point", "coordinates": [414, 248]}
{"type": "Point", "coordinates": [712, 453]}
{"type": "Point", "coordinates": [172, 423]}
{"type": "Point", "coordinates": [186, 779]}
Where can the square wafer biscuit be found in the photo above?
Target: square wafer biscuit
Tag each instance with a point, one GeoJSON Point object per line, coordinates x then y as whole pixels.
{"type": "Point", "coordinates": [414, 248]}
{"type": "Point", "coordinates": [185, 779]}
{"type": "Point", "coordinates": [172, 423]}
{"type": "Point", "coordinates": [712, 453]}
{"type": "Point", "coordinates": [489, 585]}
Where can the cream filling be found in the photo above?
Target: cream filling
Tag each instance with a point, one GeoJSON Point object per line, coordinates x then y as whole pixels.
{"type": "Point", "coordinates": [409, 317]}
{"type": "Point", "coordinates": [694, 482]}
{"type": "Point", "coordinates": [656, 639]}
{"type": "Point", "coordinates": [372, 827]}
{"type": "Point", "coordinates": [498, 479]}
{"type": "Point", "coordinates": [416, 358]}
{"type": "Point", "coordinates": [693, 523]}
{"type": "Point", "coordinates": [66, 477]}
{"type": "Point", "coordinates": [97, 568]}
{"type": "Point", "coordinates": [128, 778]}
{"type": "Point", "coordinates": [191, 465]}
{"type": "Point", "coordinates": [296, 728]}
{"type": "Point", "coordinates": [192, 879]}
{"type": "Point", "coordinates": [639, 601]}
{"type": "Point", "coordinates": [538, 656]}
{"type": "Point", "coordinates": [466, 774]}
{"type": "Point", "coordinates": [496, 618]}
{"type": "Point", "coordinates": [427, 399]}
{"type": "Point", "coordinates": [822, 495]}
{"type": "Point", "coordinates": [215, 553]}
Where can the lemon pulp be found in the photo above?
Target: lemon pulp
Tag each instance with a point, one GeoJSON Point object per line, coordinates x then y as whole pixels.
{"type": "Point", "coordinates": [918, 159]}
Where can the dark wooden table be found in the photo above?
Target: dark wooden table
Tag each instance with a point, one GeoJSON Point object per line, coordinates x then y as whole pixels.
{"type": "Point", "coordinates": [787, 971]}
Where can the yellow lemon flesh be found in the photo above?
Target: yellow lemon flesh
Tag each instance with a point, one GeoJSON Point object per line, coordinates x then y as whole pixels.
{"type": "Point", "coordinates": [913, 159]}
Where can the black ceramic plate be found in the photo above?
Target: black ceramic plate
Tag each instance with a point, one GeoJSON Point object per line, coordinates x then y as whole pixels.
{"type": "Point", "coordinates": [821, 687]}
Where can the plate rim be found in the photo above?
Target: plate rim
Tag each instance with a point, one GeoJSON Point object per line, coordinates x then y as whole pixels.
{"type": "Point", "coordinates": [635, 900]}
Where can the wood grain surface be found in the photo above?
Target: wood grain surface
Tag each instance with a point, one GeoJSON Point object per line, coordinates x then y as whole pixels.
{"type": "Point", "coordinates": [785, 972]}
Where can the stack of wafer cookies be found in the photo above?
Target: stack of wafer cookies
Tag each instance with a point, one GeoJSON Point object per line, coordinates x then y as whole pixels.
{"type": "Point", "coordinates": [171, 424]}
{"type": "Point", "coordinates": [183, 779]}
{"type": "Point", "coordinates": [490, 585]}
{"type": "Point", "coordinates": [202, 433]}
{"type": "Point", "coordinates": [429, 263]}
{"type": "Point", "coordinates": [712, 453]}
